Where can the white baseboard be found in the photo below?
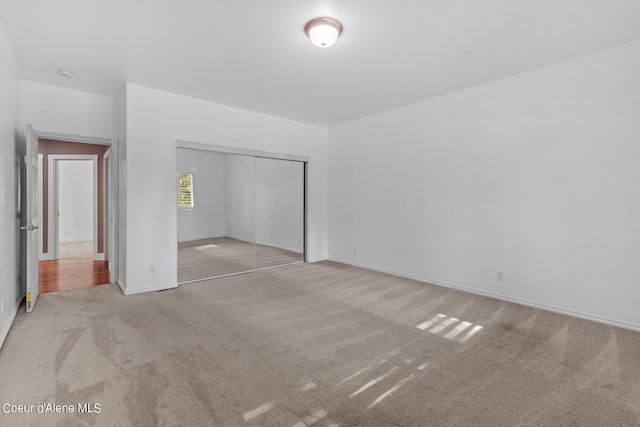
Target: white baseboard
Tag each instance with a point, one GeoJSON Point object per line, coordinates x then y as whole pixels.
{"type": "Point", "coordinates": [123, 287]}
{"type": "Point", "coordinates": [11, 318]}
{"type": "Point", "coordinates": [148, 289]}
{"type": "Point", "coordinates": [298, 251]}
{"type": "Point", "coordinates": [573, 313]}
{"type": "Point", "coordinates": [49, 257]}
{"type": "Point", "coordinates": [200, 238]}
{"type": "Point", "coordinates": [242, 240]}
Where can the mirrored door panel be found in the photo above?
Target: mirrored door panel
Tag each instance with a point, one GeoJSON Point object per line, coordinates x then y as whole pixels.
{"type": "Point", "coordinates": [215, 214]}
{"type": "Point", "coordinates": [279, 212]}
{"type": "Point", "coordinates": [237, 213]}
{"type": "Point", "coordinates": [239, 244]}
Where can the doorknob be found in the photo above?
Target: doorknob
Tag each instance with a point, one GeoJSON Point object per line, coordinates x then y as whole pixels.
{"type": "Point", "coordinates": [29, 227]}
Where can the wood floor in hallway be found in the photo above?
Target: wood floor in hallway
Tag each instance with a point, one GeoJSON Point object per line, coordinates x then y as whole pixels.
{"type": "Point", "coordinates": [71, 273]}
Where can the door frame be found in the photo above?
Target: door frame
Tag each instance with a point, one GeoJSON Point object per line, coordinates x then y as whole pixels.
{"type": "Point", "coordinates": [113, 192]}
{"type": "Point", "coordinates": [106, 159]}
{"type": "Point", "coordinates": [53, 219]}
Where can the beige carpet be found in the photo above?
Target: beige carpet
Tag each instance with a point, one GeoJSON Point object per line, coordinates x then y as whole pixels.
{"type": "Point", "coordinates": [315, 344]}
{"type": "Point", "coordinates": [206, 258]}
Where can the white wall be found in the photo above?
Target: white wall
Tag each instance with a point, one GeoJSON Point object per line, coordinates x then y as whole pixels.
{"type": "Point", "coordinates": [11, 141]}
{"type": "Point", "coordinates": [535, 175]}
{"type": "Point", "coordinates": [54, 109]}
{"type": "Point", "coordinates": [279, 203]}
{"type": "Point", "coordinates": [75, 200]}
{"type": "Point", "coordinates": [209, 216]}
{"type": "Point", "coordinates": [155, 120]}
{"type": "Point", "coordinates": [240, 193]}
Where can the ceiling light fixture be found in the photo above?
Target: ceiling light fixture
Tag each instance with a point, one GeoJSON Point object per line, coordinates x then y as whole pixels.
{"type": "Point", "coordinates": [65, 73]}
{"type": "Point", "coordinates": [323, 32]}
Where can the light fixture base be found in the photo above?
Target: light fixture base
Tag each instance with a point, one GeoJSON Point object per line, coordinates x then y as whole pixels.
{"type": "Point", "coordinates": [65, 73]}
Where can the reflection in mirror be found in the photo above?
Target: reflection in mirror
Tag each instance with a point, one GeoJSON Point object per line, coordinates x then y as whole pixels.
{"type": "Point", "coordinates": [216, 233]}
{"type": "Point", "coordinates": [237, 213]}
{"type": "Point", "coordinates": [239, 243]}
{"type": "Point", "coordinates": [279, 211]}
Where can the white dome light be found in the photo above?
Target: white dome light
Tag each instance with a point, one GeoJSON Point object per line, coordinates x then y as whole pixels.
{"type": "Point", "coordinates": [323, 32]}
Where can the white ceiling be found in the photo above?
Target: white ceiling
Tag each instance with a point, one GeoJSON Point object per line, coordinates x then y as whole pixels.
{"type": "Point", "coordinates": [253, 54]}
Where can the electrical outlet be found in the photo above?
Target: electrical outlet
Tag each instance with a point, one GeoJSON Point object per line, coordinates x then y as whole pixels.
{"type": "Point", "coordinates": [355, 251]}
{"type": "Point", "coordinates": [152, 269]}
{"type": "Point", "coordinates": [3, 306]}
{"type": "Point", "coordinates": [500, 276]}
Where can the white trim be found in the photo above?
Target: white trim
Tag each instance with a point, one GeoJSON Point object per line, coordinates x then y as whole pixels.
{"type": "Point", "coordinates": [154, 288]}
{"type": "Point", "coordinates": [52, 249]}
{"type": "Point", "coordinates": [594, 318]}
{"type": "Point", "coordinates": [296, 250]}
{"type": "Point", "coordinates": [53, 182]}
{"type": "Point", "coordinates": [106, 159]}
{"type": "Point", "coordinates": [202, 238]}
{"type": "Point", "coordinates": [123, 288]}
{"type": "Point", "coordinates": [113, 195]}
{"type": "Point", "coordinates": [41, 255]}
{"type": "Point", "coordinates": [74, 138]}
{"type": "Point", "coordinates": [241, 151]}
{"type": "Point", "coordinates": [11, 318]}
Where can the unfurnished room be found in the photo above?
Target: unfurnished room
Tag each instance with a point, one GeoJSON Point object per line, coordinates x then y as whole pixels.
{"type": "Point", "coordinates": [320, 213]}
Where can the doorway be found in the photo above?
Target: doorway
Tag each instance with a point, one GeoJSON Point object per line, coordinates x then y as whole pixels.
{"type": "Point", "coordinates": [75, 222]}
{"type": "Point", "coordinates": [75, 197]}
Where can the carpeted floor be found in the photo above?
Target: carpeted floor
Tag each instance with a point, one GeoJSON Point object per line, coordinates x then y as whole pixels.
{"type": "Point", "coordinates": [315, 344]}
{"type": "Point", "coordinates": [206, 258]}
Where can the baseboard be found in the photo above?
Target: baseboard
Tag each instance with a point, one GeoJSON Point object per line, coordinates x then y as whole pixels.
{"type": "Point", "coordinates": [199, 238]}
{"type": "Point", "coordinates": [241, 240]}
{"type": "Point", "coordinates": [123, 287]}
{"type": "Point", "coordinates": [560, 310]}
{"type": "Point", "coordinates": [298, 251]}
{"type": "Point", "coordinates": [150, 289]}
{"type": "Point", "coordinates": [98, 257]}
{"type": "Point", "coordinates": [11, 318]}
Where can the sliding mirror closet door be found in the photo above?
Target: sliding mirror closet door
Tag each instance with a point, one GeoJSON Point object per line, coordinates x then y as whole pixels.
{"type": "Point", "coordinates": [238, 245]}
{"type": "Point", "coordinates": [215, 214]}
{"type": "Point", "coordinates": [279, 208]}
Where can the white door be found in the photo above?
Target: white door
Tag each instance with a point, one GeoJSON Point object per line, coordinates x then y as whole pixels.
{"type": "Point", "coordinates": [31, 227]}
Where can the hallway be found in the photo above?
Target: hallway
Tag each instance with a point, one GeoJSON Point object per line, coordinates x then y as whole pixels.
{"type": "Point", "coordinates": [75, 269]}
{"type": "Point", "coordinates": [63, 274]}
